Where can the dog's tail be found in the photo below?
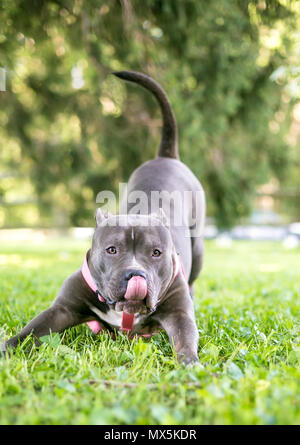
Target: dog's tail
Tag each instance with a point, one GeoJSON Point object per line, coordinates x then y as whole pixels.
{"type": "Point", "coordinates": [168, 146]}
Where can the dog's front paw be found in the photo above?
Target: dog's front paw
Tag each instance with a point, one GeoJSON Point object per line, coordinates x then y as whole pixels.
{"type": "Point", "coordinates": [187, 358]}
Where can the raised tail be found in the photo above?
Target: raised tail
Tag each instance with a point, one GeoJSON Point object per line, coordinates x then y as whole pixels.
{"type": "Point", "coordinates": [169, 145]}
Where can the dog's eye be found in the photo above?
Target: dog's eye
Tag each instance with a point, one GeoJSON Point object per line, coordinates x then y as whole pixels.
{"type": "Point", "coordinates": [111, 250]}
{"type": "Point", "coordinates": [156, 252]}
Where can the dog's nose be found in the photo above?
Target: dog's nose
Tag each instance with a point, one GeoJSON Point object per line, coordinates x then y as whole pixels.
{"type": "Point", "coordinates": [134, 273]}
{"type": "Point", "coordinates": [136, 284]}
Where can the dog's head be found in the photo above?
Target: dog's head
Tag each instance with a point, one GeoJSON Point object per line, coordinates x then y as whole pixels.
{"type": "Point", "coordinates": [132, 260]}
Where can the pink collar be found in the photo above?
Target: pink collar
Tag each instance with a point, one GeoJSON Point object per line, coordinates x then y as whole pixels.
{"type": "Point", "coordinates": [127, 319]}
{"type": "Point", "coordinates": [89, 279]}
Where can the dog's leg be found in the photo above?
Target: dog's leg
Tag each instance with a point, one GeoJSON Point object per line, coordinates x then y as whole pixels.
{"type": "Point", "coordinates": [55, 319]}
{"type": "Point", "coordinates": [183, 334]}
{"type": "Point", "coordinates": [177, 318]}
{"type": "Point", "coordinates": [197, 261]}
{"type": "Point", "coordinates": [69, 309]}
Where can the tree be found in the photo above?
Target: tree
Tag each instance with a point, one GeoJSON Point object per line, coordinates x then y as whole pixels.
{"type": "Point", "coordinates": [79, 130]}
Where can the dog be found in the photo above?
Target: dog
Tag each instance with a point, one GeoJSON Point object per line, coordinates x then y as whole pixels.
{"type": "Point", "coordinates": [138, 274]}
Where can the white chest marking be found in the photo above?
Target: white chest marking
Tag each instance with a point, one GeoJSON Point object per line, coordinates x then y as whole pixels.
{"type": "Point", "coordinates": [113, 317]}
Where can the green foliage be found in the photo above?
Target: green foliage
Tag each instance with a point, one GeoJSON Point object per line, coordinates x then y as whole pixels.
{"type": "Point", "coordinates": [74, 140]}
{"type": "Point", "coordinates": [247, 312]}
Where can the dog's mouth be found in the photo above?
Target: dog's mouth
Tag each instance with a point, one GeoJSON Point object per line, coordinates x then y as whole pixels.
{"type": "Point", "coordinates": [131, 307]}
{"type": "Point", "coordinates": [135, 297]}
{"type": "Point", "coordinates": [136, 289]}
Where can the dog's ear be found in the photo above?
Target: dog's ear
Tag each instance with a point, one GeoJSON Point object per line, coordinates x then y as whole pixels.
{"type": "Point", "coordinates": [162, 217]}
{"type": "Point", "coordinates": [101, 215]}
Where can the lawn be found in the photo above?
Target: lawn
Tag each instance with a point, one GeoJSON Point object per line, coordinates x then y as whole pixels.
{"type": "Point", "coordinates": [247, 311]}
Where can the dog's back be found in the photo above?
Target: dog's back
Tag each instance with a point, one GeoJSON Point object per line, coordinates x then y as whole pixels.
{"type": "Point", "coordinates": [180, 193]}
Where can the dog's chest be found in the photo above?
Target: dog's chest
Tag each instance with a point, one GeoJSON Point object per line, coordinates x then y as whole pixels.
{"type": "Point", "coordinates": [114, 318]}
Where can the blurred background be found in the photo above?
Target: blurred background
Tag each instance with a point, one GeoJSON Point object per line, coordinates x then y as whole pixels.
{"type": "Point", "coordinates": [68, 129]}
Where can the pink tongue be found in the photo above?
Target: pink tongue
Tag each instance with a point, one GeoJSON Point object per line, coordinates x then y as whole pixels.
{"type": "Point", "coordinates": [136, 288]}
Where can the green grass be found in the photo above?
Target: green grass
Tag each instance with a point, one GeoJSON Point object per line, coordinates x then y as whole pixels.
{"type": "Point", "coordinates": [247, 309]}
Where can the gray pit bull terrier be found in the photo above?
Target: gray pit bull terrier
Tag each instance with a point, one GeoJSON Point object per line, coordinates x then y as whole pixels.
{"type": "Point", "coordinates": [141, 266]}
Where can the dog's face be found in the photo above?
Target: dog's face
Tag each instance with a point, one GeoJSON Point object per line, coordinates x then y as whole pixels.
{"type": "Point", "coordinates": [132, 260]}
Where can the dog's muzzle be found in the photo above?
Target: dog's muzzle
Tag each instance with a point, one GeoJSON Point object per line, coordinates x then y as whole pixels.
{"type": "Point", "coordinates": [136, 285]}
